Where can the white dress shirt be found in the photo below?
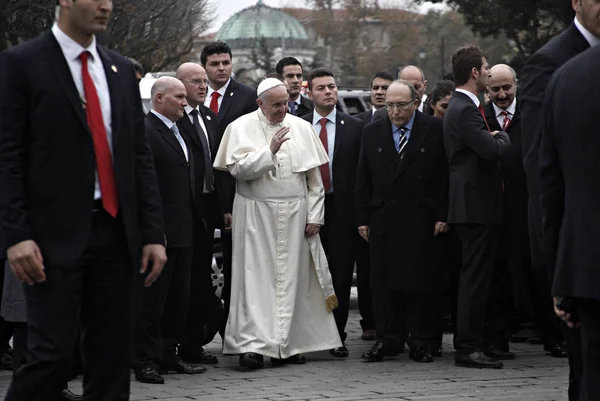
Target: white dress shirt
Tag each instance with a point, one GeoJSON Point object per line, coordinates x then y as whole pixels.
{"type": "Point", "coordinates": [221, 91]}
{"type": "Point", "coordinates": [510, 110]}
{"type": "Point", "coordinates": [72, 50]}
{"type": "Point", "coordinates": [590, 37]}
{"type": "Point", "coordinates": [173, 128]}
{"type": "Point", "coordinates": [330, 126]}
{"type": "Point", "coordinates": [474, 98]}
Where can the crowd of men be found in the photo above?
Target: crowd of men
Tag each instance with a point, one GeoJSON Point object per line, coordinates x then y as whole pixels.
{"type": "Point", "coordinates": [445, 205]}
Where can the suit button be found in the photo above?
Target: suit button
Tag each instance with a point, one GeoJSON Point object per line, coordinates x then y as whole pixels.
{"type": "Point", "coordinates": [392, 200]}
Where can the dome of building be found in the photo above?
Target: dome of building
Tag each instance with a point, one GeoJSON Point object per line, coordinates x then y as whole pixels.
{"type": "Point", "coordinates": [246, 28]}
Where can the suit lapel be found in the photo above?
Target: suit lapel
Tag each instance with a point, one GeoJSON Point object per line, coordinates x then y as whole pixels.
{"type": "Point", "coordinates": [418, 134]}
{"type": "Point", "coordinates": [114, 84]}
{"type": "Point", "coordinates": [490, 116]}
{"type": "Point", "coordinates": [339, 134]}
{"type": "Point", "coordinates": [60, 68]}
{"type": "Point", "coordinates": [212, 137]}
{"type": "Point", "coordinates": [167, 135]}
{"type": "Point", "coordinates": [227, 98]}
{"type": "Point", "coordinates": [187, 129]}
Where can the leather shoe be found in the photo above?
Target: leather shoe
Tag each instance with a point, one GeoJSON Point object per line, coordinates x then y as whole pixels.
{"type": "Point", "coordinates": [177, 365]}
{"type": "Point", "coordinates": [68, 395]}
{"type": "Point", "coordinates": [297, 359]}
{"type": "Point", "coordinates": [501, 355]}
{"type": "Point", "coordinates": [251, 360]}
{"type": "Point", "coordinates": [478, 360]}
{"type": "Point", "coordinates": [420, 354]}
{"type": "Point", "coordinates": [148, 374]}
{"type": "Point", "coordinates": [378, 352]}
{"type": "Point", "coordinates": [369, 335]}
{"type": "Point", "coordinates": [340, 352]}
{"type": "Point", "coordinates": [196, 355]}
{"type": "Point", "coordinates": [556, 350]}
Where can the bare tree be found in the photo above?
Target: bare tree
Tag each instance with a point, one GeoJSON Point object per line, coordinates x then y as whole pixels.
{"type": "Point", "coordinates": [24, 19]}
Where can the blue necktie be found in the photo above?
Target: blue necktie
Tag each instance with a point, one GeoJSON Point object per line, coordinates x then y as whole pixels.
{"type": "Point", "coordinates": [292, 106]}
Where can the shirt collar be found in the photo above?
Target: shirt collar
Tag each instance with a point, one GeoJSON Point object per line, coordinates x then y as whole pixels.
{"type": "Point", "coordinates": [331, 117]}
{"type": "Point", "coordinates": [471, 96]}
{"type": "Point", "coordinates": [408, 126]}
{"type": "Point", "coordinates": [164, 119]}
{"type": "Point", "coordinates": [590, 37]}
{"type": "Point", "coordinates": [71, 49]}
{"type": "Point", "coordinates": [510, 109]}
{"type": "Point", "coordinates": [221, 90]}
{"type": "Point", "coordinates": [189, 109]}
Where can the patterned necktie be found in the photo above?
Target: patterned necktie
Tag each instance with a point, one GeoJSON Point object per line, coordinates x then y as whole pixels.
{"type": "Point", "coordinates": [104, 165]}
{"type": "Point", "coordinates": [325, 167]}
{"type": "Point", "coordinates": [214, 102]}
{"type": "Point", "coordinates": [292, 107]}
{"type": "Point", "coordinates": [179, 138]}
{"type": "Point", "coordinates": [483, 115]}
{"type": "Point", "coordinates": [506, 121]}
{"type": "Point", "coordinates": [208, 171]}
{"type": "Point", "coordinates": [402, 141]}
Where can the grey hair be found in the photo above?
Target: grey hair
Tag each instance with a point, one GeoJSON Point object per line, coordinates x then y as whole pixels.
{"type": "Point", "coordinates": [413, 92]}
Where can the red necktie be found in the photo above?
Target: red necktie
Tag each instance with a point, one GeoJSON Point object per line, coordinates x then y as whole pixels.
{"type": "Point", "coordinates": [104, 166]}
{"type": "Point", "coordinates": [214, 102]}
{"type": "Point", "coordinates": [325, 167]}
{"type": "Point", "coordinates": [506, 120]}
{"type": "Point", "coordinates": [483, 115]}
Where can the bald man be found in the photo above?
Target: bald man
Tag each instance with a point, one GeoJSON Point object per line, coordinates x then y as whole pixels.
{"type": "Point", "coordinates": [502, 113]}
{"type": "Point", "coordinates": [415, 75]}
{"type": "Point", "coordinates": [199, 127]}
{"type": "Point", "coordinates": [162, 308]}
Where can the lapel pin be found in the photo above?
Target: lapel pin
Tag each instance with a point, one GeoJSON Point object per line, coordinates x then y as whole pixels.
{"type": "Point", "coordinates": [112, 67]}
{"type": "Point", "coordinates": [342, 122]}
{"type": "Point", "coordinates": [208, 118]}
{"type": "Point", "coordinates": [422, 150]}
{"type": "Point", "coordinates": [231, 94]}
{"type": "Point", "coordinates": [379, 149]}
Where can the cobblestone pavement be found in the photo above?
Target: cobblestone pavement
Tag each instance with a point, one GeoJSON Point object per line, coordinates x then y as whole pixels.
{"type": "Point", "coordinates": [532, 376]}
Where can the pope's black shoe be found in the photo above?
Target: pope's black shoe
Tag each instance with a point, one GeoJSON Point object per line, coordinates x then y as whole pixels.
{"type": "Point", "coordinates": [297, 359]}
{"type": "Point", "coordinates": [420, 354]}
{"type": "Point", "coordinates": [378, 352]}
{"type": "Point", "coordinates": [251, 360]}
{"type": "Point", "coordinates": [478, 360]}
{"type": "Point", "coordinates": [340, 352]}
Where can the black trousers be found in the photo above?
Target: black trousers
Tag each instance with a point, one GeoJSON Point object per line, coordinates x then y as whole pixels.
{"type": "Point", "coordinates": [500, 306]}
{"type": "Point", "coordinates": [363, 284]}
{"type": "Point", "coordinates": [203, 300]}
{"type": "Point", "coordinates": [161, 310]}
{"type": "Point", "coordinates": [398, 313]}
{"type": "Point", "coordinates": [340, 243]}
{"type": "Point", "coordinates": [479, 244]}
{"type": "Point", "coordinates": [94, 293]}
{"type": "Point", "coordinates": [226, 291]}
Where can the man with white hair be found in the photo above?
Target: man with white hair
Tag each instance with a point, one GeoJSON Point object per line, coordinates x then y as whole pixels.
{"type": "Point", "coordinates": [282, 294]}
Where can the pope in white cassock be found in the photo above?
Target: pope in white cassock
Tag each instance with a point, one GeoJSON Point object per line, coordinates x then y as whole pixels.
{"type": "Point", "coordinates": [281, 290]}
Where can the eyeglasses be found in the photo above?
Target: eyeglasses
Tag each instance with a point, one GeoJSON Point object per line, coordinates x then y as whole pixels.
{"type": "Point", "coordinates": [399, 106]}
{"type": "Point", "coordinates": [196, 82]}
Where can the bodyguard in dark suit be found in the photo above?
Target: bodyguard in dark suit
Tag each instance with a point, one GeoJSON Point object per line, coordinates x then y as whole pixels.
{"type": "Point", "coordinates": [161, 310]}
{"type": "Point", "coordinates": [476, 202]}
{"type": "Point", "coordinates": [401, 194]}
{"type": "Point", "coordinates": [570, 194]}
{"type": "Point", "coordinates": [228, 99]}
{"type": "Point", "coordinates": [503, 113]}
{"type": "Point", "coordinates": [199, 126]}
{"type": "Point", "coordinates": [291, 71]}
{"type": "Point", "coordinates": [340, 135]}
{"type": "Point", "coordinates": [380, 82]}
{"type": "Point", "coordinates": [79, 201]}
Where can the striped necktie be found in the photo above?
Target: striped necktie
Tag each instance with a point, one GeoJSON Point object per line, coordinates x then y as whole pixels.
{"type": "Point", "coordinates": [402, 141]}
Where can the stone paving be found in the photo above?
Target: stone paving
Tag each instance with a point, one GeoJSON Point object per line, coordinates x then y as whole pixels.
{"type": "Point", "coordinates": [532, 376]}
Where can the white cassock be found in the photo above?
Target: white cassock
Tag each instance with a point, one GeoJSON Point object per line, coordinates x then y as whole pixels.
{"type": "Point", "coordinates": [281, 290]}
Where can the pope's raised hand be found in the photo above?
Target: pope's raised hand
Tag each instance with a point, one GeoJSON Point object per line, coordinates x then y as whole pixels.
{"type": "Point", "coordinates": [278, 139]}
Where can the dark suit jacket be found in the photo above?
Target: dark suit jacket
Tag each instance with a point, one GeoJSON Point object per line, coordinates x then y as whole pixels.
{"type": "Point", "coordinates": [305, 107]}
{"type": "Point", "coordinates": [366, 117]}
{"type": "Point", "coordinates": [348, 131]}
{"type": "Point", "coordinates": [474, 156]}
{"type": "Point", "coordinates": [47, 156]}
{"type": "Point", "coordinates": [176, 182]}
{"type": "Point", "coordinates": [570, 188]}
{"type": "Point", "coordinates": [401, 200]}
{"type": "Point", "coordinates": [239, 99]}
{"type": "Point", "coordinates": [214, 215]}
{"type": "Point", "coordinates": [536, 75]}
{"type": "Point", "coordinates": [516, 235]}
